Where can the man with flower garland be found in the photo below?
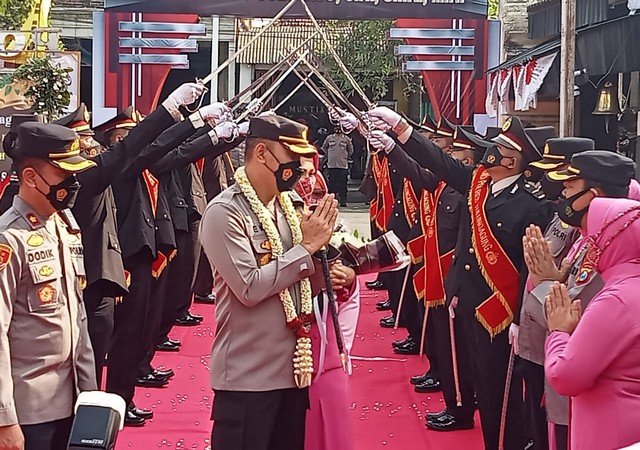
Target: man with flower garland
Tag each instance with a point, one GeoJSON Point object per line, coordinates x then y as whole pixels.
{"type": "Point", "coordinates": [259, 245]}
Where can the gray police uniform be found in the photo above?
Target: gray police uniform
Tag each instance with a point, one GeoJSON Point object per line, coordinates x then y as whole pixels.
{"type": "Point", "coordinates": [46, 358]}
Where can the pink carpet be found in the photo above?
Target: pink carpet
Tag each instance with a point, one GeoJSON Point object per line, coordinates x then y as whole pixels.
{"type": "Point", "coordinates": [387, 413]}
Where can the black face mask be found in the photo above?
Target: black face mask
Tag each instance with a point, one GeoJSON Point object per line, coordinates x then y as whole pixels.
{"type": "Point", "coordinates": [64, 194]}
{"type": "Point", "coordinates": [552, 189]}
{"type": "Point", "coordinates": [287, 174]}
{"type": "Point", "coordinates": [492, 157]}
{"type": "Point", "coordinates": [569, 215]}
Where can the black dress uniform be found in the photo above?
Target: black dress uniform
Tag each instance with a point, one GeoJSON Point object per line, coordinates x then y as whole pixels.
{"type": "Point", "coordinates": [210, 178]}
{"type": "Point", "coordinates": [508, 213]}
{"type": "Point", "coordinates": [95, 213]}
{"type": "Point", "coordinates": [136, 194]}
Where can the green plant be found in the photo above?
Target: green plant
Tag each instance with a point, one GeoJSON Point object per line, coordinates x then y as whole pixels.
{"type": "Point", "coordinates": [47, 86]}
{"type": "Point", "coordinates": [13, 13]}
{"type": "Point", "coordinates": [368, 54]}
{"type": "Point", "coordinates": [494, 9]}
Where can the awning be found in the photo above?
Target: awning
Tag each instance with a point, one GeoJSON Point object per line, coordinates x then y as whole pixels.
{"type": "Point", "coordinates": [605, 47]}
{"type": "Point", "coordinates": [280, 39]}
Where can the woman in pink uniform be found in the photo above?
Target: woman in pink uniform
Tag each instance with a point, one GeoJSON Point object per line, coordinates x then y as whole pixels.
{"type": "Point", "coordinates": [328, 425]}
{"type": "Point", "coordinates": [594, 357]}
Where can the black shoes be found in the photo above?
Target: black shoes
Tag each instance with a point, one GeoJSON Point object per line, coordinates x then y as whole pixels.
{"type": "Point", "coordinates": [388, 322]}
{"type": "Point", "coordinates": [167, 374]}
{"type": "Point", "coordinates": [384, 306]}
{"type": "Point", "coordinates": [436, 416]}
{"type": "Point", "coordinates": [131, 420]}
{"type": "Point", "coordinates": [396, 344]}
{"type": "Point", "coordinates": [375, 285]}
{"type": "Point", "coordinates": [447, 422]}
{"type": "Point", "coordinates": [151, 381]}
{"type": "Point", "coordinates": [146, 414]}
{"type": "Point", "coordinates": [410, 347]}
{"type": "Point", "coordinates": [207, 299]}
{"type": "Point", "coordinates": [419, 379]}
{"type": "Point", "coordinates": [188, 321]}
{"type": "Point", "coordinates": [168, 346]}
{"type": "Point", "coordinates": [429, 386]}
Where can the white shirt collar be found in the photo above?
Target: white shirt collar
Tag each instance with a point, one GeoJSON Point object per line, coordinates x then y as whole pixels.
{"type": "Point", "coordinates": [501, 185]}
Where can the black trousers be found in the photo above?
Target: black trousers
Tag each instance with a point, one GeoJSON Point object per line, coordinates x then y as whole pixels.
{"type": "Point", "coordinates": [157, 303]}
{"type": "Point", "coordinates": [338, 183]}
{"type": "Point", "coordinates": [535, 413]}
{"type": "Point", "coordinates": [430, 338]}
{"type": "Point", "coordinates": [128, 345]}
{"type": "Point", "coordinates": [178, 291]}
{"type": "Point", "coordinates": [440, 316]}
{"type": "Point", "coordinates": [273, 420]}
{"type": "Point", "coordinates": [203, 282]}
{"type": "Point", "coordinates": [47, 436]}
{"type": "Point", "coordinates": [562, 437]}
{"type": "Point", "coordinates": [491, 360]}
{"type": "Point", "coordinates": [100, 318]}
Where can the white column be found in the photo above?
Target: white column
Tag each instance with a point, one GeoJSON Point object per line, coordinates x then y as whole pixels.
{"type": "Point", "coordinates": [246, 76]}
{"type": "Point", "coordinates": [231, 79]}
{"type": "Point", "coordinates": [215, 42]}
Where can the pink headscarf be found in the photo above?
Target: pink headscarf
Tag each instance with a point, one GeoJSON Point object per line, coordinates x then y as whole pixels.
{"type": "Point", "coordinates": [613, 228]}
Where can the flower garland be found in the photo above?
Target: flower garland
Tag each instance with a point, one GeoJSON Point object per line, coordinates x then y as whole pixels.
{"type": "Point", "coordinates": [299, 323]}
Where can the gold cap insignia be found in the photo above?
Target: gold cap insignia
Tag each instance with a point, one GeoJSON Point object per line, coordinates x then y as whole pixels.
{"type": "Point", "coordinates": [507, 124]}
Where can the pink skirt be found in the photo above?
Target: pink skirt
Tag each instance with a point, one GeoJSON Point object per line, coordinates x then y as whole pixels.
{"type": "Point", "coordinates": [328, 424]}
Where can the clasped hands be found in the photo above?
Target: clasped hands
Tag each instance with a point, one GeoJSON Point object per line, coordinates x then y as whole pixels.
{"type": "Point", "coordinates": [539, 260]}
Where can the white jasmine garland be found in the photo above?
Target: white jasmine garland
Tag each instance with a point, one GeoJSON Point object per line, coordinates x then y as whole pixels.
{"type": "Point", "coordinates": [299, 323]}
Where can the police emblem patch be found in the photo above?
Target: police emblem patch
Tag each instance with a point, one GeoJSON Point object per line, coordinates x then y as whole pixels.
{"type": "Point", "coordinates": [47, 294]}
{"type": "Point", "coordinates": [35, 240]}
{"type": "Point", "coordinates": [61, 194]}
{"type": "Point", "coordinates": [5, 255]}
{"type": "Point", "coordinates": [491, 159]}
{"type": "Point", "coordinates": [287, 174]}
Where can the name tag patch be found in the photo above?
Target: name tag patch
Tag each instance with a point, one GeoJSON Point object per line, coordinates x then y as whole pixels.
{"type": "Point", "coordinates": [35, 256]}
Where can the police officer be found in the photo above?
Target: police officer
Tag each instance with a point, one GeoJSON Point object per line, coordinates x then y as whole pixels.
{"type": "Point", "coordinates": [488, 260]}
{"type": "Point", "coordinates": [258, 403]}
{"type": "Point", "coordinates": [80, 122]}
{"type": "Point", "coordinates": [44, 342]}
{"type": "Point", "coordinates": [338, 149]}
{"type": "Point", "coordinates": [590, 174]}
{"type": "Point", "coordinates": [95, 207]}
{"type": "Point", "coordinates": [528, 334]}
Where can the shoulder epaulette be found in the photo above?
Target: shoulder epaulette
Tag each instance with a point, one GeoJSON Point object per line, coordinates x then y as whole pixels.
{"type": "Point", "coordinates": [534, 189]}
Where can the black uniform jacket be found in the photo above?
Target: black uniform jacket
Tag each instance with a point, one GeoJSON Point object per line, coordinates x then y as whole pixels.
{"type": "Point", "coordinates": [508, 213]}
{"type": "Point", "coordinates": [95, 208]}
{"type": "Point", "coordinates": [135, 217]}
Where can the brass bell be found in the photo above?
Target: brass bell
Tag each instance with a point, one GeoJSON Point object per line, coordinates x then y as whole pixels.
{"type": "Point", "coordinates": [607, 103]}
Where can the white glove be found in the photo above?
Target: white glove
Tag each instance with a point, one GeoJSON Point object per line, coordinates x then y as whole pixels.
{"type": "Point", "coordinates": [452, 307]}
{"type": "Point", "coordinates": [215, 112]}
{"type": "Point", "coordinates": [254, 105]}
{"type": "Point", "coordinates": [380, 141]}
{"type": "Point", "coordinates": [227, 130]}
{"type": "Point", "coordinates": [186, 94]}
{"type": "Point", "coordinates": [514, 336]}
{"type": "Point", "coordinates": [348, 122]}
{"type": "Point", "coordinates": [388, 116]}
{"type": "Point", "coordinates": [243, 128]}
{"type": "Point", "coordinates": [335, 114]}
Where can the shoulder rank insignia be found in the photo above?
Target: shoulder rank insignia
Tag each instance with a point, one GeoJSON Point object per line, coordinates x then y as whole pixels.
{"type": "Point", "coordinates": [33, 220]}
{"type": "Point", "coordinates": [35, 240]}
{"type": "Point", "coordinates": [5, 255]}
